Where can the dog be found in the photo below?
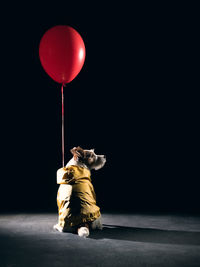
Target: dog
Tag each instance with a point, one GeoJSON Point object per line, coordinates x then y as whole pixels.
{"type": "Point", "coordinates": [76, 198]}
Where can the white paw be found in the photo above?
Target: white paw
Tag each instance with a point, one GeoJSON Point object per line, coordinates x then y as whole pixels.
{"type": "Point", "coordinates": [58, 228]}
{"type": "Point", "coordinates": [83, 231]}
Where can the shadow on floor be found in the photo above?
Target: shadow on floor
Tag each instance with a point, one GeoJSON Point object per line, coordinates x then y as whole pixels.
{"type": "Point", "coordinates": [147, 235]}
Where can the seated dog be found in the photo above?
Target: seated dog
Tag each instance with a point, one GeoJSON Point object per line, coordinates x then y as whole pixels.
{"type": "Point", "coordinates": [76, 197]}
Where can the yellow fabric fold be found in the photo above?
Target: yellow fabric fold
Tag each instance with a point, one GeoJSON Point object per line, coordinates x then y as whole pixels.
{"type": "Point", "coordinates": [66, 175]}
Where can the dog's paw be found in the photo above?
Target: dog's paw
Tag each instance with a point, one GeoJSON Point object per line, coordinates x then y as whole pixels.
{"type": "Point", "coordinates": [58, 228]}
{"type": "Point", "coordinates": [97, 224]}
{"type": "Point", "coordinates": [83, 232]}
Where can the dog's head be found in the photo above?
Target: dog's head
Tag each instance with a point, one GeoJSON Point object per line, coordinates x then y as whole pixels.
{"type": "Point", "coordinates": [88, 157]}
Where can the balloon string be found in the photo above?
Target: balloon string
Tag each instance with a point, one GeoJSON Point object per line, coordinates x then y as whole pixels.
{"type": "Point", "coordinates": [63, 144]}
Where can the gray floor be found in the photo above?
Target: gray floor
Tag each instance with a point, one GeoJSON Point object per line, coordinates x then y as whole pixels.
{"type": "Point", "coordinates": [127, 240]}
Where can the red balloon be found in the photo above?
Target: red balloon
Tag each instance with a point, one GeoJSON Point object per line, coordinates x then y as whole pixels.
{"type": "Point", "coordinates": [62, 53]}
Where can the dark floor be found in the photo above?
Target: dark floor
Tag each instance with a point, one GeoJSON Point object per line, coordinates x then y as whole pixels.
{"type": "Point", "coordinates": [126, 240]}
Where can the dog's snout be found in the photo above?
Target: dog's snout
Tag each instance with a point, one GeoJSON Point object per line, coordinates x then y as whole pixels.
{"type": "Point", "coordinates": [104, 156]}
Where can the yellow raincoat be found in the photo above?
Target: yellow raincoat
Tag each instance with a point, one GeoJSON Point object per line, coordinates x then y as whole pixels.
{"type": "Point", "coordinates": [76, 198]}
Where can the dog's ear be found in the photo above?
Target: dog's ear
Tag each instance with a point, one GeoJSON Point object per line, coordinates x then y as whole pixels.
{"type": "Point", "coordinates": [77, 152]}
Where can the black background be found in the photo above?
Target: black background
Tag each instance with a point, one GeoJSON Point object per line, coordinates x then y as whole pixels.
{"type": "Point", "coordinates": [135, 100]}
